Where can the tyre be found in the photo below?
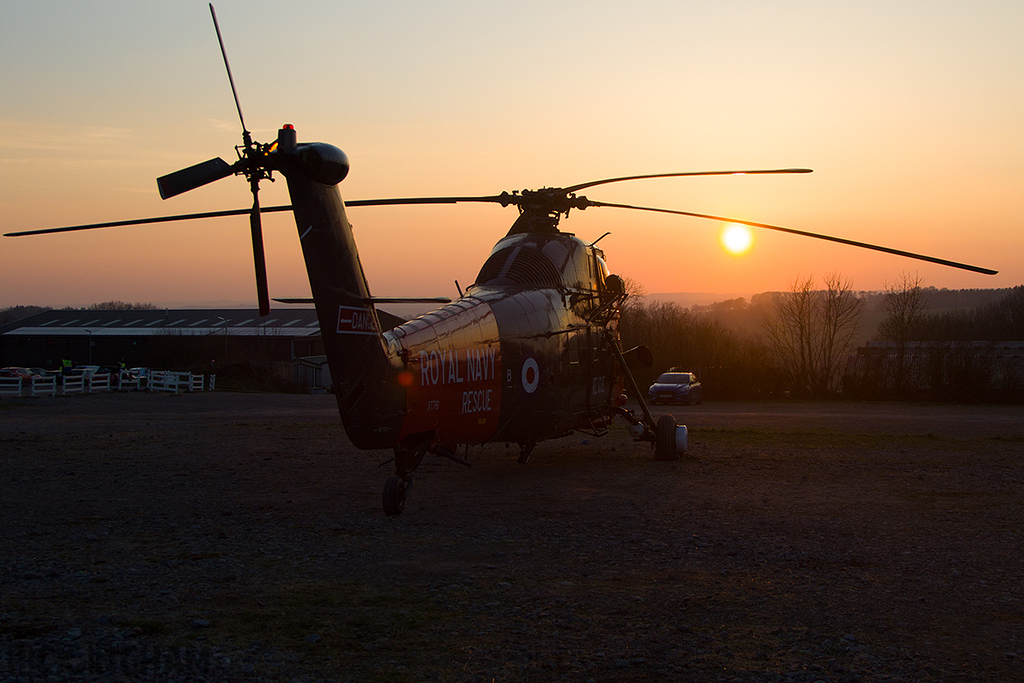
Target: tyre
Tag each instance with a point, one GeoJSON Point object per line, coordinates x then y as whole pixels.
{"type": "Point", "coordinates": [394, 496]}
{"type": "Point", "coordinates": [665, 443]}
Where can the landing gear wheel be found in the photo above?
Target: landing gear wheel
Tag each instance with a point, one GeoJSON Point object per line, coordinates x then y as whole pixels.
{"type": "Point", "coordinates": [394, 496]}
{"type": "Point", "coordinates": [665, 443]}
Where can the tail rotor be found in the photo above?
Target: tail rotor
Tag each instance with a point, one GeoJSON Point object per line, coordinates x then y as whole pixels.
{"type": "Point", "coordinates": [251, 163]}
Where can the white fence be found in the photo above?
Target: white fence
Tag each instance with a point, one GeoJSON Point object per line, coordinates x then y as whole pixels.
{"type": "Point", "coordinates": [68, 385]}
{"type": "Point", "coordinates": [10, 386]}
{"type": "Point", "coordinates": [127, 382]}
{"type": "Point", "coordinates": [167, 380]}
{"type": "Point", "coordinates": [43, 386]}
{"type": "Point", "coordinates": [73, 384]}
{"type": "Point", "coordinates": [99, 382]}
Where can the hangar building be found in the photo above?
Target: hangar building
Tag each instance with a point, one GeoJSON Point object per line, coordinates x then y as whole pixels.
{"type": "Point", "coordinates": [148, 337]}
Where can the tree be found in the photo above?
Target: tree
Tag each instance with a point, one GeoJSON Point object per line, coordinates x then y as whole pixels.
{"type": "Point", "coordinates": [121, 305]}
{"type": "Point", "coordinates": [9, 315]}
{"type": "Point", "coordinates": [904, 307]}
{"type": "Point", "coordinates": [788, 334]}
{"type": "Point", "coordinates": [635, 292]}
{"type": "Point", "coordinates": [812, 331]}
{"type": "Point", "coordinates": [840, 316]}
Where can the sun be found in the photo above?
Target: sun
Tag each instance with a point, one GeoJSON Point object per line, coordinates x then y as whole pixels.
{"type": "Point", "coordinates": [736, 238]}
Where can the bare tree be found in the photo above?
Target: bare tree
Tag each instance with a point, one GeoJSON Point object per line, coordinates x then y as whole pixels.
{"type": "Point", "coordinates": [812, 332]}
{"type": "Point", "coordinates": [904, 307]}
{"type": "Point", "coordinates": [790, 333]}
{"type": "Point", "coordinates": [121, 306]}
{"type": "Point", "coordinates": [633, 303]}
{"type": "Point", "coordinates": [840, 313]}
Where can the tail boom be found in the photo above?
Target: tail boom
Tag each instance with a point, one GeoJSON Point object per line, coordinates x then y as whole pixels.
{"type": "Point", "coordinates": [364, 371]}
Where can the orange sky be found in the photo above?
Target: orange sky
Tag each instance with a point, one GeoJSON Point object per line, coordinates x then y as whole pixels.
{"type": "Point", "coordinates": [909, 113]}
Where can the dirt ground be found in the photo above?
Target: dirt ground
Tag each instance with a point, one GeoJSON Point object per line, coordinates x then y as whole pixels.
{"type": "Point", "coordinates": [226, 536]}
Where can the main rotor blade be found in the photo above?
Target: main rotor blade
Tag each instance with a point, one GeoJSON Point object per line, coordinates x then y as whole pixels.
{"type": "Point", "coordinates": [803, 233]}
{"type": "Point", "coordinates": [145, 221]}
{"type": "Point", "coordinates": [379, 300]}
{"type": "Point", "coordinates": [258, 255]}
{"type": "Point", "coordinates": [401, 201]}
{"type": "Point", "coordinates": [231, 80]}
{"type": "Point", "coordinates": [192, 177]}
{"type": "Point", "coordinates": [582, 186]}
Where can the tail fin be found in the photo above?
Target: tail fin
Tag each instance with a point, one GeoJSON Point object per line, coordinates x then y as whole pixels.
{"type": "Point", "coordinates": [364, 373]}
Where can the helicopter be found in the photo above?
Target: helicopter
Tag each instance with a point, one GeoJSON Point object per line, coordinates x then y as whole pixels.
{"type": "Point", "coordinates": [529, 352]}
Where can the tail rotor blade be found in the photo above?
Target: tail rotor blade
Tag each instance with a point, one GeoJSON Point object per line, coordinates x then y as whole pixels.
{"type": "Point", "coordinates": [192, 177]}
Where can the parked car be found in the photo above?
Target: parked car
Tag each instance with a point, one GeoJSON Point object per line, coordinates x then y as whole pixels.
{"type": "Point", "coordinates": [24, 373]}
{"type": "Point", "coordinates": [140, 375]}
{"type": "Point", "coordinates": [84, 370]}
{"type": "Point", "coordinates": [676, 387]}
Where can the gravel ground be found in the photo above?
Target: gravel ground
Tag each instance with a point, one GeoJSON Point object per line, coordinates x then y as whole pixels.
{"type": "Point", "coordinates": [240, 537]}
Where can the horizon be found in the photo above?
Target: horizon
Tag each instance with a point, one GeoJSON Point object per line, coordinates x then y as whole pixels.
{"type": "Point", "coordinates": [684, 299]}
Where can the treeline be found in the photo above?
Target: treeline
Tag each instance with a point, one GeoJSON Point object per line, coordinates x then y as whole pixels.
{"type": "Point", "coordinates": [120, 306]}
{"type": "Point", "coordinates": [729, 364]}
{"type": "Point", "coordinates": [800, 342]}
{"type": "Point", "coordinates": [15, 313]}
{"type": "Point", "coordinates": [800, 348]}
{"type": "Point", "coordinates": [1001, 320]}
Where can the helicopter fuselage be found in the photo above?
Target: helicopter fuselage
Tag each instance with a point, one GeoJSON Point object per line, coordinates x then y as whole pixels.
{"type": "Point", "coordinates": [521, 357]}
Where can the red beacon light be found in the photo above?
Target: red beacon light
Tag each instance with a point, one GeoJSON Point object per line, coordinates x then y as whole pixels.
{"type": "Point", "coordinates": [286, 138]}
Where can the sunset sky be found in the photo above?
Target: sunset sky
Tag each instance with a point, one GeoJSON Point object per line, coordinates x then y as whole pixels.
{"type": "Point", "coordinates": [910, 114]}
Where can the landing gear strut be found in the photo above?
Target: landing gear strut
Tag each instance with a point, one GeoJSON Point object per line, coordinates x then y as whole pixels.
{"type": "Point", "coordinates": [408, 456]}
{"type": "Point", "coordinates": [669, 439]}
{"type": "Point", "coordinates": [525, 451]}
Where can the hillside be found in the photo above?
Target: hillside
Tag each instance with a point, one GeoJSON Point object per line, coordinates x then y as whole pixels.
{"type": "Point", "coordinates": [746, 313]}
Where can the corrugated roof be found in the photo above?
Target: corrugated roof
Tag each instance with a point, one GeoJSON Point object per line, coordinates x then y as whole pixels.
{"type": "Point", "coordinates": [239, 322]}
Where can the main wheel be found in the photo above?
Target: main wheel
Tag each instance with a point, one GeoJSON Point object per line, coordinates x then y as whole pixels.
{"type": "Point", "coordinates": [665, 443]}
{"type": "Point", "coordinates": [394, 496]}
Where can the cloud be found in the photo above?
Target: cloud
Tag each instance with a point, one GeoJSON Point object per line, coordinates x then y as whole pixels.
{"type": "Point", "coordinates": [19, 136]}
